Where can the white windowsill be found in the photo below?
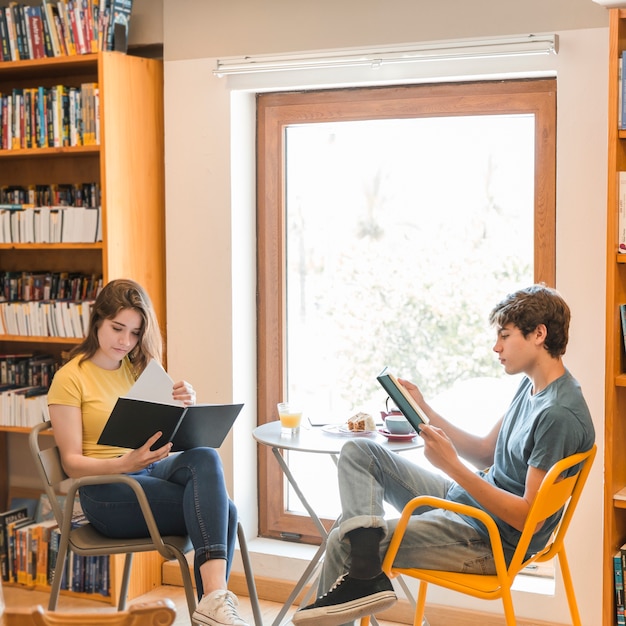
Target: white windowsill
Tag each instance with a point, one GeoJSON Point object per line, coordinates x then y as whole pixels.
{"type": "Point", "coordinates": [285, 560]}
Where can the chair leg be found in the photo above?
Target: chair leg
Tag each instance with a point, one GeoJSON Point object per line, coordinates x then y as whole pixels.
{"type": "Point", "coordinates": [247, 568]}
{"type": "Point", "coordinates": [185, 572]}
{"type": "Point", "coordinates": [507, 603]}
{"type": "Point", "coordinates": [420, 604]}
{"type": "Point", "coordinates": [569, 588]}
{"type": "Point", "coordinates": [61, 566]}
{"type": "Point", "coordinates": [128, 563]}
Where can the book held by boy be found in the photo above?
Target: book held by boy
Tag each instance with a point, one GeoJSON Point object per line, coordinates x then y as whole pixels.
{"type": "Point", "coordinates": [402, 399]}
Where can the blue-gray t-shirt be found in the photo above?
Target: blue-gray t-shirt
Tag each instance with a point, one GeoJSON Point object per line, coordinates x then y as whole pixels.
{"type": "Point", "coordinates": [536, 431]}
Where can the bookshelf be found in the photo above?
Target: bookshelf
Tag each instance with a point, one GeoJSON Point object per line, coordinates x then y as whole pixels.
{"type": "Point", "coordinates": [128, 164]}
{"type": "Point", "coordinates": [615, 399]}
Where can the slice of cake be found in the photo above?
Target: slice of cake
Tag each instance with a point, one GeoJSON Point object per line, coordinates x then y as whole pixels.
{"type": "Point", "coordinates": [361, 422]}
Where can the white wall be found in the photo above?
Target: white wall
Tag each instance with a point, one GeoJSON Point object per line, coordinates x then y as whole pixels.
{"type": "Point", "coordinates": [211, 212]}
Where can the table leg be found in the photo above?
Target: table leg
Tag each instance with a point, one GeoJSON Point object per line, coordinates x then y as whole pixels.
{"type": "Point", "coordinates": [316, 561]}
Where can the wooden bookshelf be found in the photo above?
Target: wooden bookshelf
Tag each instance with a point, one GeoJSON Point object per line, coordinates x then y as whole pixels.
{"type": "Point", "coordinates": [615, 388]}
{"type": "Point", "coordinates": [128, 164]}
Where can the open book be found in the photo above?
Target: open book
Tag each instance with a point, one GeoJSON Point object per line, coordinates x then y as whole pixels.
{"type": "Point", "coordinates": [148, 407]}
{"type": "Point", "coordinates": [402, 399]}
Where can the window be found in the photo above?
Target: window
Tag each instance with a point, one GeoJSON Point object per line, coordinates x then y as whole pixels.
{"type": "Point", "coordinates": [390, 220]}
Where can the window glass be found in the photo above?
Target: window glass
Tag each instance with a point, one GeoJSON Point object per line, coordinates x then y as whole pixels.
{"type": "Point", "coordinates": [401, 234]}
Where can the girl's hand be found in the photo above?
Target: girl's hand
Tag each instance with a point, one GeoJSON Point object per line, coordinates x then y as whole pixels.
{"type": "Point", "coordinates": [140, 458]}
{"type": "Point", "coordinates": [184, 392]}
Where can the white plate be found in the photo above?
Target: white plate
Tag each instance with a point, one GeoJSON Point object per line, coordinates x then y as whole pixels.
{"type": "Point", "coordinates": [344, 431]}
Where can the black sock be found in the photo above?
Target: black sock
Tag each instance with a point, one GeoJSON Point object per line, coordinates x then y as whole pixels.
{"type": "Point", "coordinates": [365, 552]}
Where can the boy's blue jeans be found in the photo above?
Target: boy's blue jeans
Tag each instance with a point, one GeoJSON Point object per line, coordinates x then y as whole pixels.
{"type": "Point", "coordinates": [369, 475]}
{"type": "Point", "coordinates": [188, 496]}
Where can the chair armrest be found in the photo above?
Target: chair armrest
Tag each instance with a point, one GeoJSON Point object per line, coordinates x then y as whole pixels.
{"type": "Point", "coordinates": [106, 479]}
{"type": "Point", "coordinates": [455, 507]}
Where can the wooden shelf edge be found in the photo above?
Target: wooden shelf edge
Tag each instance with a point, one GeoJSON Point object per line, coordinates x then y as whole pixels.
{"type": "Point", "coordinates": [619, 499]}
{"type": "Point", "coordinates": [35, 339]}
{"type": "Point", "coordinates": [620, 380]}
{"type": "Point", "coordinates": [46, 152]}
{"type": "Point", "coordinates": [20, 429]}
{"type": "Point", "coordinates": [97, 245]}
{"type": "Point", "coordinates": [60, 61]}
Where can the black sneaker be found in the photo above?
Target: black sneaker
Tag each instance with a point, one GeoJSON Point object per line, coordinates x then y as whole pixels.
{"type": "Point", "coordinates": [348, 599]}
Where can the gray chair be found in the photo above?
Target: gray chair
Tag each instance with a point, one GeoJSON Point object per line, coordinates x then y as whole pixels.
{"type": "Point", "coordinates": [85, 540]}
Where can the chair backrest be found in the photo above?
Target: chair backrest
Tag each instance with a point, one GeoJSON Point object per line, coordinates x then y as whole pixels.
{"type": "Point", "coordinates": [558, 490]}
{"type": "Point", "coordinates": [50, 470]}
{"type": "Point", "coordinates": [159, 613]}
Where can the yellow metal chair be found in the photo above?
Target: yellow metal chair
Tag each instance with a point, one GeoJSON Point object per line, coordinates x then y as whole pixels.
{"type": "Point", "coordinates": [554, 493]}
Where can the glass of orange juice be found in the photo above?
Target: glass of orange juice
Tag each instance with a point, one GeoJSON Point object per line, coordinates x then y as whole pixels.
{"type": "Point", "coordinates": [290, 417]}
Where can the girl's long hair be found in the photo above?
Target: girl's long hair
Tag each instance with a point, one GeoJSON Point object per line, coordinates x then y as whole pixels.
{"type": "Point", "coordinates": [116, 296]}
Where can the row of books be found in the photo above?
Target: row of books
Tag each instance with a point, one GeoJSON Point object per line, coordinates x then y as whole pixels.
{"type": "Point", "coordinates": [59, 224]}
{"type": "Point", "coordinates": [58, 318]}
{"type": "Point", "coordinates": [62, 28]}
{"type": "Point", "coordinates": [27, 370]}
{"type": "Point", "coordinates": [50, 117]}
{"type": "Point", "coordinates": [57, 194]}
{"type": "Point", "coordinates": [23, 407]}
{"type": "Point", "coordinates": [25, 286]}
{"type": "Point", "coordinates": [29, 549]}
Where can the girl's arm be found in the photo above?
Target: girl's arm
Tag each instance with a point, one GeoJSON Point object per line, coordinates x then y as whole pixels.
{"type": "Point", "coordinates": [67, 425]}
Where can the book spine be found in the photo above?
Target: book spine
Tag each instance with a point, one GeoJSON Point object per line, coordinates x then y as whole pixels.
{"type": "Point", "coordinates": [5, 51]}
{"type": "Point", "coordinates": [618, 574]}
{"type": "Point", "coordinates": [26, 31]}
{"type": "Point", "coordinates": [14, 53]}
{"type": "Point", "coordinates": [622, 94]}
{"type": "Point", "coordinates": [37, 35]}
{"type": "Point", "coordinates": [47, 35]}
{"type": "Point", "coordinates": [41, 564]}
{"type": "Point", "coordinates": [19, 34]}
{"type": "Point", "coordinates": [621, 220]}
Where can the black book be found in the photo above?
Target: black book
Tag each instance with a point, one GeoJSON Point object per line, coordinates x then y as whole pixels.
{"type": "Point", "coordinates": [132, 422]}
{"type": "Point", "coordinates": [402, 399]}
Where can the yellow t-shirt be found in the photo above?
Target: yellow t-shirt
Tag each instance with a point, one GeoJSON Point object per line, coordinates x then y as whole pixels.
{"type": "Point", "coordinates": [94, 390]}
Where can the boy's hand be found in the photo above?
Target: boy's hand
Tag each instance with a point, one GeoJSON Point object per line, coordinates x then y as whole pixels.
{"type": "Point", "coordinates": [439, 449]}
{"type": "Point", "coordinates": [413, 389]}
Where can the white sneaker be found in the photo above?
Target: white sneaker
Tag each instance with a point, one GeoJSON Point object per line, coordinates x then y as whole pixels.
{"type": "Point", "coordinates": [218, 609]}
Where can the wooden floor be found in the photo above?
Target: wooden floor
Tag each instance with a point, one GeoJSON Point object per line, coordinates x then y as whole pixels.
{"type": "Point", "coordinates": [20, 598]}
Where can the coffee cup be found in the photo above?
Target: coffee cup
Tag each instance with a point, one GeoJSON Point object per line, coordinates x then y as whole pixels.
{"type": "Point", "coordinates": [398, 425]}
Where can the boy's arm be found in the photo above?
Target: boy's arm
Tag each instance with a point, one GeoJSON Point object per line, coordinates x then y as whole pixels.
{"type": "Point", "coordinates": [478, 450]}
{"type": "Point", "coordinates": [440, 451]}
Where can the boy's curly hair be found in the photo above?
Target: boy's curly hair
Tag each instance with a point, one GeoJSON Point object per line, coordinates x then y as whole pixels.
{"type": "Point", "coordinates": [534, 305]}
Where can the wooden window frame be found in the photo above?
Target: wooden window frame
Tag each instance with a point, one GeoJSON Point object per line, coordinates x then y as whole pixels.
{"type": "Point", "coordinates": [276, 111]}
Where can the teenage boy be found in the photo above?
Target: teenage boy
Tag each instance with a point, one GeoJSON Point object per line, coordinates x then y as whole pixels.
{"type": "Point", "coordinates": [546, 421]}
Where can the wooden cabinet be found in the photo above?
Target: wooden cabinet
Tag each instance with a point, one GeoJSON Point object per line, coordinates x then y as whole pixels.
{"type": "Point", "coordinates": [128, 164]}
{"type": "Point", "coordinates": [615, 413]}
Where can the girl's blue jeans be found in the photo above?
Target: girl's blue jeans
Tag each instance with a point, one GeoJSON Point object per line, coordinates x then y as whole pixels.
{"type": "Point", "coordinates": [187, 494]}
{"type": "Point", "coordinates": [370, 475]}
